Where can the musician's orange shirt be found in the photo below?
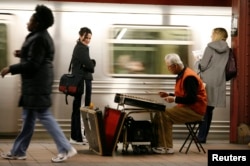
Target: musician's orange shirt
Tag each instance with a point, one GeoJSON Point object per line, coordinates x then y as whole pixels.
{"type": "Point", "coordinates": [200, 105]}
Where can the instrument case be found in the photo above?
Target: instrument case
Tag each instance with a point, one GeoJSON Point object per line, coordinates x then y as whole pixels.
{"type": "Point", "coordinates": [102, 129]}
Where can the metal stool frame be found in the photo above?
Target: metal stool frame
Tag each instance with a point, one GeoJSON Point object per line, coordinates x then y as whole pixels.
{"type": "Point", "coordinates": [192, 136]}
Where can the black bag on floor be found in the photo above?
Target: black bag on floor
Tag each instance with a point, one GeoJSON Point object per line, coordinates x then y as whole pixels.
{"type": "Point", "coordinates": [139, 131]}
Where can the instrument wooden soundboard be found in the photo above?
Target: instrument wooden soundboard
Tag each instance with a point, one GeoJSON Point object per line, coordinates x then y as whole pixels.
{"type": "Point", "coordinates": [138, 102]}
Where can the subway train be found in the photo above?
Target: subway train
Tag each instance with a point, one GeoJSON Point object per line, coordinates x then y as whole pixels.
{"type": "Point", "coordinates": [129, 43]}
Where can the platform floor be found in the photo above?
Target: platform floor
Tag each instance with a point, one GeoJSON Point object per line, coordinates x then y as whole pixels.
{"type": "Point", "coordinates": [41, 151]}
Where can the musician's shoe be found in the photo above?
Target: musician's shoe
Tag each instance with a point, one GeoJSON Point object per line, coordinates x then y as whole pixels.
{"type": "Point", "coordinates": [9, 156]}
{"type": "Point", "coordinates": [163, 150]}
{"type": "Point", "coordinates": [64, 156]}
{"type": "Point", "coordinates": [76, 142]}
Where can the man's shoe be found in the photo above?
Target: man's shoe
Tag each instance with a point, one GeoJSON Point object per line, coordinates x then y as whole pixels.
{"type": "Point", "coordinates": [75, 142]}
{"type": "Point", "coordinates": [9, 156]}
{"type": "Point", "coordinates": [163, 150]}
{"type": "Point", "coordinates": [64, 156]}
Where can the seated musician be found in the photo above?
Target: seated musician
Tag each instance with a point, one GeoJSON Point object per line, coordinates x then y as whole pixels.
{"type": "Point", "coordinates": [190, 98]}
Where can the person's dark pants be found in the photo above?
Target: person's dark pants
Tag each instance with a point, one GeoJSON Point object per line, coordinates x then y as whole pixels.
{"type": "Point", "coordinates": [76, 128]}
{"type": "Point", "coordinates": [205, 125]}
{"type": "Point", "coordinates": [88, 92]}
{"type": "Point", "coordinates": [76, 132]}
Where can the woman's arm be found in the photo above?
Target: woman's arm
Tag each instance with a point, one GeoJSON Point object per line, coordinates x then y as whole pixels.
{"type": "Point", "coordinates": [206, 59]}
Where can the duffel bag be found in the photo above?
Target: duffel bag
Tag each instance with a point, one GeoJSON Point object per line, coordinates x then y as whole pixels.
{"type": "Point", "coordinates": [71, 85]}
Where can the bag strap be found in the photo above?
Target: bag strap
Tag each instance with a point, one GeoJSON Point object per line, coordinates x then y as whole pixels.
{"type": "Point", "coordinates": [199, 66]}
{"type": "Point", "coordinates": [70, 65]}
{"type": "Point", "coordinates": [66, 99]}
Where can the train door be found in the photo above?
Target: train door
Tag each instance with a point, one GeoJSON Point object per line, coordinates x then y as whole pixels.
{"type": "Point", "coordinates": [9, 85]}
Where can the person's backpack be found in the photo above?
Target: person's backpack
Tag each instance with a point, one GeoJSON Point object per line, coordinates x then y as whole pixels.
{"type": "Point", "coordinates": [231, 67]}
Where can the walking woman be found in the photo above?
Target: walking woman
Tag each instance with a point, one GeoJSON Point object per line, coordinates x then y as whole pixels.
{"type": "Point", "coordinates": [36, 69]}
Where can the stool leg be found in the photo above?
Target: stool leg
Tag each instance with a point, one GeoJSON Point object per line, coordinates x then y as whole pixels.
{"type": "Point", "coordinates": [195, 139]}
{"type": "Point", "coordinates": [192, 132]}
{"type": "Point", "coordinates": [185, 139]}
{"type": "Point", "coordinates": [198, 142]}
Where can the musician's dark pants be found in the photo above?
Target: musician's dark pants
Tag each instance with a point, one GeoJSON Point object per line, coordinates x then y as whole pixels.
{"type": "Point", "coordinates": [174, 115]}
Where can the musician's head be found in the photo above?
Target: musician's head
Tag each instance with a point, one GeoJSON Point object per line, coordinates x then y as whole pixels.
{"type": "Point", "coordinates": [174, 63]}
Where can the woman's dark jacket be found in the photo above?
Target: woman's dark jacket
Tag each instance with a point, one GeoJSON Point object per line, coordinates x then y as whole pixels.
{"type": "Point", "coordinates": [81, 62]}
{"type": "Point", "coordinates": [36, 69]}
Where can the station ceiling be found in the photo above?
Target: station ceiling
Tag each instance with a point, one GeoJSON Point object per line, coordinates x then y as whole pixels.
{"type": "Point", "coordinates": [225, 3]}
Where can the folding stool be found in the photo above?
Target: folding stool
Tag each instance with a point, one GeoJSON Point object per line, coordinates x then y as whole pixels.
{"type": "Point", "coordinates": [193, 128]}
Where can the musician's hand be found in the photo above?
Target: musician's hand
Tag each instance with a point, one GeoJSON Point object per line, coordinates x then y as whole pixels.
{"type": "Point", "coordinates": [163, 94]}
{"type": "Point", "coordinates": [170, 99]}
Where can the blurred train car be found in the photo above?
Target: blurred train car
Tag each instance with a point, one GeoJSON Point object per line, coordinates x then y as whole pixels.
{"type": "Point", "coordinates": [129, 43]}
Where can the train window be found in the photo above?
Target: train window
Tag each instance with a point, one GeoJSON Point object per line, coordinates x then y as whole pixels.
{"type": "Point", "coordinates": [3, 45]}
{"type": "Point", "coordinates": [140, 50]}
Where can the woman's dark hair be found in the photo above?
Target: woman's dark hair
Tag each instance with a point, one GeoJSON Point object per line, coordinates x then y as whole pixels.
{"type": "Point", "coordinates": [84, 31]}
{"type": "Point", "coordinates": [44, 17]}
